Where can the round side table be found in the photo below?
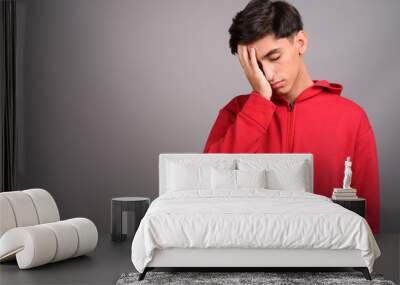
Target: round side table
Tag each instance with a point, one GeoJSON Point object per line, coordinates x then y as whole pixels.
{"type": "Point", "coordinates": [126, 214]}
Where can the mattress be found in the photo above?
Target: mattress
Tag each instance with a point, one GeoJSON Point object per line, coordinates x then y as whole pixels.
{"type": "Point", "coordinates": [250, 218]}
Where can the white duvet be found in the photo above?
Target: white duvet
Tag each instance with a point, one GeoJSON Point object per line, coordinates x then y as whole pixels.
{"type": "Point", "coordinates": [250, 218]}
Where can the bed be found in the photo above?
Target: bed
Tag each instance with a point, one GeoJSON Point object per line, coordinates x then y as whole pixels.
{"type": "Point", "coordinates": [245, 211]}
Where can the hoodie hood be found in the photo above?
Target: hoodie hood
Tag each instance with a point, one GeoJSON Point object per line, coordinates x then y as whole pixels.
{"type": "Point", "coordinates": [311, 91]}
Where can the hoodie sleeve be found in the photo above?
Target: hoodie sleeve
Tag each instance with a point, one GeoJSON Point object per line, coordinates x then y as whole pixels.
{"type": "Point", "coordinates": [239, 133]}
{"type": "Point", "coordinates": [366, 174]}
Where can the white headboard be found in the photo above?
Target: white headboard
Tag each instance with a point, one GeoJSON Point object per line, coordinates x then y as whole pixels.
{"type": "Point", "coordinates": [164, 157]}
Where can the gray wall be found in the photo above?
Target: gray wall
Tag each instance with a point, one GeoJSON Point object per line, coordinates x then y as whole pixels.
{"type": "Point", "coordinates": [105, 86]}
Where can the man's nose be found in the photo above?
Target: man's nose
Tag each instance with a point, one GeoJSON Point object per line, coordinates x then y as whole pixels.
{"type": "Point", "coordinates": [269, 74]}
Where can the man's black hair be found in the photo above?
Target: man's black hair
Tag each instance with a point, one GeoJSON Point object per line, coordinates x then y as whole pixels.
{"type": "Point", "coordinates": [261, 18]}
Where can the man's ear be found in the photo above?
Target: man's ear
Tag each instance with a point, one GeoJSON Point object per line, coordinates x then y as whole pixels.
{"type": "Point", "coordinates": [301, 42]}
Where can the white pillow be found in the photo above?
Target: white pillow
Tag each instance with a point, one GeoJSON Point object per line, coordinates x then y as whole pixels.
{"type": "Point", "coordinates": [287, 179]}
{"type": "Point", "coordinates": [236, 179]}
{"type": "Point", "coordinates": [282, 174]}
{"type": "Point", "coordinates": [251, 178]}
{"type": "Point", "coordinates": [223, 179]}
{"type": "Point", "coordinates": [184, 177]}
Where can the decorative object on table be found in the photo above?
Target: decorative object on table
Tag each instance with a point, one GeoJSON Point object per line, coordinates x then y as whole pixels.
{"type": "Point", "coordinates": [344, 194]}
{"type": "Point", "coordinates": [244, 278]}
{"type": "Point", "coordinates": [355, 205]}
{"type": "Point", "coordinates": [347, 192]}
{"type": "Point", "coordinates": [347, 173]}
{"type": "Point", "coordinates": [31, 231]}
{"type": "Point", "coordinates": [126, 214]}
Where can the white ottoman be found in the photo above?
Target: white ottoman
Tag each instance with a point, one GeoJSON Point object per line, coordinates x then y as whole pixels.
{"type": "Point", "coordinates": [31, 232]}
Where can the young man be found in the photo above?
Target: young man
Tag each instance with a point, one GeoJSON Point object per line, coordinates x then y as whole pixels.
{"type": "Point", "coordinates": [288, 112]}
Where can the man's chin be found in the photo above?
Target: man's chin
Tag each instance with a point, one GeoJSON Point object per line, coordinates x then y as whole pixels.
{"type": "Point", "coordinates": [279, 91]}
{"type": "Point", "coordinates": [282, 90]}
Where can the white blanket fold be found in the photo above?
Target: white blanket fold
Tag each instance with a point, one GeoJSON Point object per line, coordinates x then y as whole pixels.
{"type": "Point", "coordinates": [250, 218]}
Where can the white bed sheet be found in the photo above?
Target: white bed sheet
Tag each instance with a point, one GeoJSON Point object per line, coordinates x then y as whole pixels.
{"type": "Point", "coordinates": [250, 218]}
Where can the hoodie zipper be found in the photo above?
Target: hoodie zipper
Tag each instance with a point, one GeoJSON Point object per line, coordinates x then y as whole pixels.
{"type": "Point", "coordinates": [290, 128]}
{"type": "Point", "coordinates": [291, 106]}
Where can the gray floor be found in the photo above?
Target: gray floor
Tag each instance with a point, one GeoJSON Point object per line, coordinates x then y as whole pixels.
{"type": "Point", "coordinates": [110, 260]}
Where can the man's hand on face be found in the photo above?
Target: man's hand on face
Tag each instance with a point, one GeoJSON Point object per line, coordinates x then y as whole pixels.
{"type": "Point", "coordinates": [253, 72]}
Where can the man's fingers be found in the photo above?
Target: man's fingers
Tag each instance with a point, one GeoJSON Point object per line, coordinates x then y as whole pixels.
{"type": "Point", "coordinates": [243, 56]}
{"type": "Point", "coordinates": [253, 59]}
{"type": "Point", "coordinates": [240, 56]}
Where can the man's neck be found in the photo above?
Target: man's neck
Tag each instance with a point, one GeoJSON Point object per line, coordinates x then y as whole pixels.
{"type": "Point", "coordinates": [302, 82]}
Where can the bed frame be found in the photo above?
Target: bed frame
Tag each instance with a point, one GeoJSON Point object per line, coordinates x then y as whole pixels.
{"type": "Point", "coordinates": [244, 259]}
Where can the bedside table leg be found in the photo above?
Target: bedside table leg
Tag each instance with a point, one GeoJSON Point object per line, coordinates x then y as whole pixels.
{"type": "Point", "coordinates": [364, 271]}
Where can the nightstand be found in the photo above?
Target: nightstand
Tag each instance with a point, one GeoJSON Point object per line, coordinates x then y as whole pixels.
{"type": "Point", "coordinates": [126, 214]}
{"type": "Point", "coordinates": [355, 205]}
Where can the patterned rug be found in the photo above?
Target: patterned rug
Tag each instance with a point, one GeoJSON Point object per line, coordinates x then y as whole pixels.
{"type": "Point", "coordinates": [229, 278]}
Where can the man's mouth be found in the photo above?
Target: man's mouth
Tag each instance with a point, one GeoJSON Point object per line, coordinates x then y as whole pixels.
{"type": "Point", "coordinates": [277, 84]}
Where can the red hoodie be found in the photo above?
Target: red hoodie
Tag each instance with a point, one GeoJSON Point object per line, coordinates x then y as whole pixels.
{"type": "Point", "coordinates": [320, 122]}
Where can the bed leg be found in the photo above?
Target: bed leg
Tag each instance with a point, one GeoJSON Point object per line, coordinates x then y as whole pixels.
{"type": "Point", "coordinates": [143, 274]}
{"type": "Point", "coordinates": [364, 271]}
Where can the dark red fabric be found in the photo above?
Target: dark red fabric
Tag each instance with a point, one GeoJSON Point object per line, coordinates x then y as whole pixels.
{"type": "Point", "coordinates": [321, 122]}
